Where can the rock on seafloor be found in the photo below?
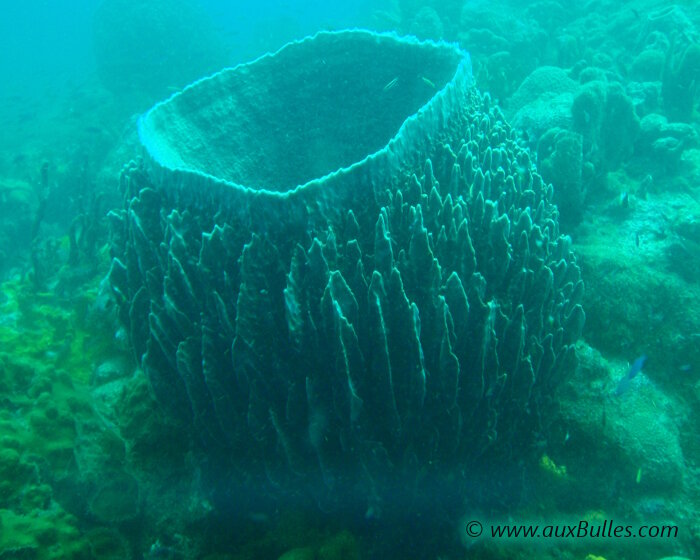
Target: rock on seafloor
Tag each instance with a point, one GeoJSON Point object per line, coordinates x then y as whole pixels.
{"type": "Point", "coordinates": [337, 265]}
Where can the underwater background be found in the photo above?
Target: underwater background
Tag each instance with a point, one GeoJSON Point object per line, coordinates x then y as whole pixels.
{"type": "Point", "coordinates": [394, 360]}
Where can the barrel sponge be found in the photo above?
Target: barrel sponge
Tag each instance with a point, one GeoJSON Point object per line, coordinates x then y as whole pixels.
{"type": "Point", "coordinates": [338, 267]}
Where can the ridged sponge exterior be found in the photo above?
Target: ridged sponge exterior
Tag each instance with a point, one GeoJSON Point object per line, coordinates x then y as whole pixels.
{"type": "Point", "coordinates": [392, 311]}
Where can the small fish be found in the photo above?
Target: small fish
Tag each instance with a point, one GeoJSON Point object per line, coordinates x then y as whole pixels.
{"type": "Point", "coordinates": [685, 368]}
{"type": "Point", "coordinates": [624, 199]}
{"type": "Point", "coordinates": [427, 82]}
{"type": "Point", "coordinates": [626, 381]}
{"type": "Point", "coordinates": [639, 475]}
{"type": "Point", "coordinates": [636, 239]}
{"type": "Point", "coordinates": [391, 84]}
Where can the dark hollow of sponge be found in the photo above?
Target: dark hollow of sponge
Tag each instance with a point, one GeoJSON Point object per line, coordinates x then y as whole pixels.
{"type": "Point", "coordinates": [337, 267]}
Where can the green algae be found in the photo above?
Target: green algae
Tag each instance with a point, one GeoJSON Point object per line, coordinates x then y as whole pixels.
{"type": "Point", "coordinates": [296, 536]}
{"type": "Point", "coordinates": [50, 346]}
{"type": "Point", "coordinates": [41, 328]}
{"type": "Point", "coordinates": [44, 535]}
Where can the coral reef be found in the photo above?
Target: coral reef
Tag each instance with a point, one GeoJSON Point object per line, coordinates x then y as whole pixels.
{"type": "Point", "coordinates": [383, 326]}
{"type": "Point", "coordinates": [581, 130]}
{"type": "Point", "coordinates": [681, 73]}
{"type": "Point", "coordinates": [604, 115]}
{"type": "Point", "coordinates": [560, 161]}
{"type": "Point", "coordinates": [646, 260]}
{"type": "Point", "coordinates": [661, 144]}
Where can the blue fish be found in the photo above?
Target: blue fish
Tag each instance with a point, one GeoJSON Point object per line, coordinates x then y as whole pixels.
{"type": "Point", "coordinates": [626, 381]}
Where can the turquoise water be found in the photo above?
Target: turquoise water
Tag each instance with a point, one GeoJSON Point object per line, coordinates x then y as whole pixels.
{"type": "Point", "coordinates": [425, 291]}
